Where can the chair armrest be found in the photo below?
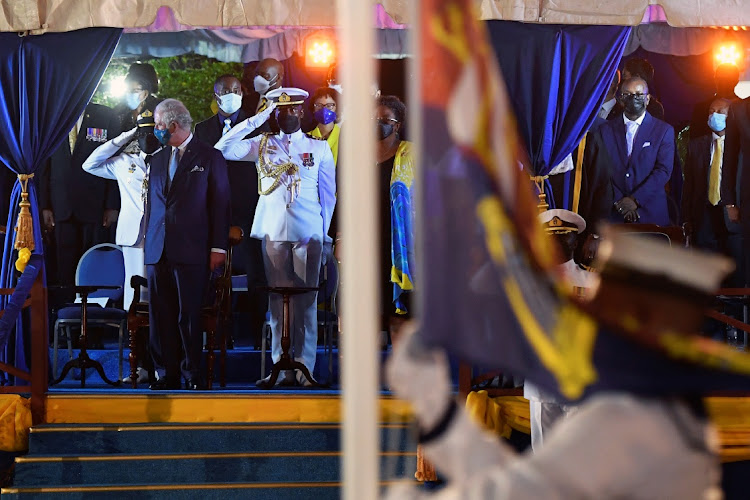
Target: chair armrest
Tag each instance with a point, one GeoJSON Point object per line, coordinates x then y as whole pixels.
{"type": "Point", "coordinates": [136, 282]}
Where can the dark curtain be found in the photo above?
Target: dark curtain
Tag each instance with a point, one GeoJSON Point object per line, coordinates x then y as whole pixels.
{"type": "Point", "coordinates": [557, 77]}
{"type": "Point", "coordinates": [45, 83]}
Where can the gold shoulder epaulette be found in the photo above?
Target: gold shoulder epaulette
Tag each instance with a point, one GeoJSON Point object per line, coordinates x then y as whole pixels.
{"type": "Point", "coordinates": [270, 133]}
{"type": "Point", "coordinates": [309, 134]}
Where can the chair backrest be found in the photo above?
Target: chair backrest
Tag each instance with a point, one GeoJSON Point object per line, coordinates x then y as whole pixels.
{"type": "Point", "coordinates": [329, 280]}
{"type": "Point", "coordinates": [672, 235]}
{"type": "Point", "coordinates": [102, 264]}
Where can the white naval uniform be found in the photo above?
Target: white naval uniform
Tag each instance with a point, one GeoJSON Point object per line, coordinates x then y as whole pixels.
{"type": "Point", "coordinates": [616, 446]}
{"type": "Point", "coordinates": [128, 170]}
{"type": "Point", "coordinates": [292, 221]}
{"type": "Point", "coordinates": [544, 409]}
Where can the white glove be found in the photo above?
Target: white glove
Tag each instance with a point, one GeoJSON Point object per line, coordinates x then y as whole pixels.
{"type": "Point", "coordinates": [420, 376]}
{"type": "Point", "coordinates": [124, 138]}
{"type": "Point", "coordinates": [256, 121]}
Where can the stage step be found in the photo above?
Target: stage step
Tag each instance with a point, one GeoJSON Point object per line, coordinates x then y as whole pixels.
{"type": "Point", "coordinates": [161, 460]}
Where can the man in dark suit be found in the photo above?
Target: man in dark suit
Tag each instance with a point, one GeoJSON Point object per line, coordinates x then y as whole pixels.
{"type": "Point", "coordinates": [637, 67]}
{"type": "Point", "coordinates": [243, 182]}
{"type": "Point", "coordinates": [701, 196]}
{"type": "Point", "coordinates": [186, 239]}
{"type": "Point", "coordinates": [81, 207]}
{"type": "Point", "coordinates": [641, 149]}
{"type": "Point", "coordinates": [726, 78]}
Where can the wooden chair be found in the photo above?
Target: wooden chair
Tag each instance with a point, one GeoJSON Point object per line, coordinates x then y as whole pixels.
{"type": "Point", "coordinates": [217, 318]}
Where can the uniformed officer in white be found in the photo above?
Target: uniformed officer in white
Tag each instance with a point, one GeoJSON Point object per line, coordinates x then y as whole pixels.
{"type": "Point", "coordinates": [565, 226]}
{"type": "Point", "coordinates": [129, 169]}
{"type": "Point", "coordinates": [297, 184]}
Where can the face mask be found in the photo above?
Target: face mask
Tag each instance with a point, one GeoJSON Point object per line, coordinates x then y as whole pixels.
{"type": "Point", "coordinates": [384, 130]}
{"type": "Point", "coordinates": [148, 143]}
{"type": "Point", "coordinates": [288, 123]}
{"type": "Point", "coordinates": [230, 103]}
{"type": "Point", "coordinates": [162, 135]}
{"type": "Point", "coordinates": [324, 116]}
{"type": "Point", "coordinates": [133, 100]}
{"type": "Point", "coordinates": [634, 105]}
{"type": "Point", "coordinates": [717, 121]}
{"type": "Point", "coordinates": [261, 85]}
{"type": "Point", "coordinates": [336, 87]}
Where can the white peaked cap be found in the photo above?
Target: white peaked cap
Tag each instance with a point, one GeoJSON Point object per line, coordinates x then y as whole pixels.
{"type": "Point", "coordinates": [565, 219]}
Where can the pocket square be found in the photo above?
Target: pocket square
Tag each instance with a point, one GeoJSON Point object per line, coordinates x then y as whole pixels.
{"type": "Point", "coordinates": [646, 144]}
{"type": "Point", "coordinates": [197, 168]}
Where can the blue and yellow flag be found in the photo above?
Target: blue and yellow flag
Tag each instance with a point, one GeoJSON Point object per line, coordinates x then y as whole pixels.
{"type": "Point", "coordinates": [487, 295]}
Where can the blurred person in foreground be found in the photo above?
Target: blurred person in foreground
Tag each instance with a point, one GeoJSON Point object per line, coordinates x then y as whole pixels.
{"type": "Point", "coordinates": [619, 444]}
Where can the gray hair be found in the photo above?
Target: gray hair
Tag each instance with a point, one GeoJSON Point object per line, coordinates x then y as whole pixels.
{"type": "Point", "coordinates": [172, 110]}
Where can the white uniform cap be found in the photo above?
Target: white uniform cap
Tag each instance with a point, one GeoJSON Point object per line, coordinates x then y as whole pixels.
{"type": "Point", "coordinates": [558, 220]}
{"type": "Point", "coordinates": [286, 96]}
{"type": "Point", "coordinates": [700, 271]}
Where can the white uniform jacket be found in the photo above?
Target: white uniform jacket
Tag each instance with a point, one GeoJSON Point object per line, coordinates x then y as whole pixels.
{"type": "Point", "coordinates": [301, 204]}
{"type": "Point", "coordinates": [128, 170]}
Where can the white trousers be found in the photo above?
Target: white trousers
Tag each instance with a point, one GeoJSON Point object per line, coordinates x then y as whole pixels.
{"type": "Point", "coordinates": [133, 257]}
{"type": "Point", "coordinates": [294, 264]}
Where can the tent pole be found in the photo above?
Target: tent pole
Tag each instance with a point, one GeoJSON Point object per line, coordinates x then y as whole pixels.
{"type": "Point", "coordinates": [357, 212]}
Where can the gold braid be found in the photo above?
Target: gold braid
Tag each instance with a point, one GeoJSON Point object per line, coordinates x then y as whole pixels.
{"type": "Point", "coordinates": [267, 170]}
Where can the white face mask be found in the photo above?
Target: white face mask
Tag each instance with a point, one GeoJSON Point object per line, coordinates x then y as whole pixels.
{"type": "Point", "coordinates": [133, 100]}
{"type": "Point", "coordinates": [230, 103]}
{"type": "Point", "coordinates": [262, 85]}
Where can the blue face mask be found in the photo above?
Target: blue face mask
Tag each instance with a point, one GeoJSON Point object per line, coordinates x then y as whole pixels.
{"type": "Point", "coordinates": [162, 135]}
{"type": "Point", "coordinates": [324, 116]}
{"type": "Point", "coordinates": [717, 121]}
{"type": "Point", "coordinates": [133, 100]}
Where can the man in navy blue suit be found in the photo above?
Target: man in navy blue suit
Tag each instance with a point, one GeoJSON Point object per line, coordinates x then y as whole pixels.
{"type": "Point", "coordinates": [186, 239]}
{"type": "Point", "coordinates": [641, 156]}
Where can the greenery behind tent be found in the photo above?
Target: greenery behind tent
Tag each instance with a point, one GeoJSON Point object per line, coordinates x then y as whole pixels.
{"type": "Point", "coordinates": [188, 78]}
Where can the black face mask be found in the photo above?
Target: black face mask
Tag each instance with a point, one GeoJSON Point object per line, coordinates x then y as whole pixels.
{"type": "Point", "coordinates": [384, 130]}
{"type": "Point", "coordinates": [634, 105]}
{"type": "Point", "coordinates": [148, 143]}
{"type": "Point", "coordinates": [288, 123]}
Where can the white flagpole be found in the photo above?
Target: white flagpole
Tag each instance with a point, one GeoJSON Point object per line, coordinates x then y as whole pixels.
{"type": "Point", "coordinates": [357, 211]}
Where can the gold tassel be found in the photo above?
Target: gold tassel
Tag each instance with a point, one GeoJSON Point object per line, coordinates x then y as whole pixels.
{"type": "Point", "coordinates": [25, 225]}
{"type": "Point", "coordinates": [539, 181]}
{"type": "Point", "coordinates": [425, 469]}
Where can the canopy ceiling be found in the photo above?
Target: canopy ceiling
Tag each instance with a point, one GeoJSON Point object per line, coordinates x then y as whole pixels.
{"type": "Point", "coordinates": [67, 15]}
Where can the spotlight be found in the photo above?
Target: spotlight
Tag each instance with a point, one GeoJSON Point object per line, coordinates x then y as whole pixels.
{"type": "Point", "coordinates": [117, 86]}
{"type": "Point", "coordinates": [320, 53]}
{"type": "Point", "coordinates": [728, 54]}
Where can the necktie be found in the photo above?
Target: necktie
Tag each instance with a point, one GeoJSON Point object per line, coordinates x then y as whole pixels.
{"type": "Point", "coordinates": [630, 135]}
{"type": "Point", "coordinates": [714, 176]}
{"type": "Point", "coordinates": [262, 105]}
{"type": "Point", "coordinates": [227, 126]}
{"type": "Point", "coordinates": [173, 161]}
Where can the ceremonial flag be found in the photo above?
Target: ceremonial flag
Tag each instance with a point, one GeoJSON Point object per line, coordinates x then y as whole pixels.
{"type": "Point", "coordinates": [487, 293]}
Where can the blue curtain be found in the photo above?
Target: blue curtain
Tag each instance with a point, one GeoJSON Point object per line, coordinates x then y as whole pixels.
{"type": "Point", "coordinates": [557, 77]}
{"type": "Point", "coordinates": [45, 83]}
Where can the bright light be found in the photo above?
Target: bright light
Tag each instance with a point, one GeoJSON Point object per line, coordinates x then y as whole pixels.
{"type": "Point", "coordinates": [728, 54]}
{"type": "Point", "coordinates": [117, 87]}
{"type": "Point", "coordinates": [321, 53]}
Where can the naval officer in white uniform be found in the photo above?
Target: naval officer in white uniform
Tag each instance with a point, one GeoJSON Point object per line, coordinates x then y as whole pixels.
{"type": "Point", "coordinates": [297, 187]}
{"type": "Point", "coordinates": [129, 169]}
{"type": "Point", "coordinates": [564, 226]}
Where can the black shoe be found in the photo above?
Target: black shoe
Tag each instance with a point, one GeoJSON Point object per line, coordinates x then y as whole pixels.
{"type": "Point", "coordinates": [194, 385]}
{"type": "Point", "coordinates": [165, 384]}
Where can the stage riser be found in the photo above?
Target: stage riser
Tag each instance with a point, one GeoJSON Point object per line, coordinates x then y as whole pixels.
{"type": "Point", "coordinates": [238, 439]}
{"type": "Point", "coordinates": [271, 468]}
{"type": "Point", "coordinates": [272, 493]}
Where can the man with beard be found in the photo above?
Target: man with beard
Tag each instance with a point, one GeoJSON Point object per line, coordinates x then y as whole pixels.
{"type": "Point", "coordinates": [297, 184]}
{"type": "Point", "coordinates": [125, 159]}
{"type": "Point", "coordinates": [641, 155]}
